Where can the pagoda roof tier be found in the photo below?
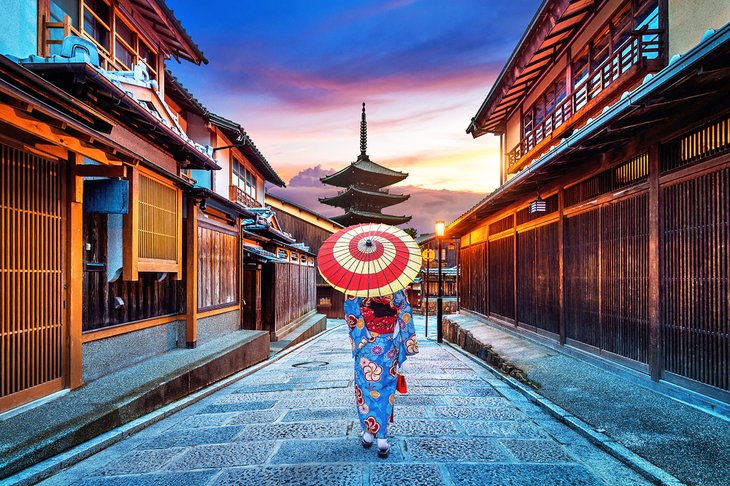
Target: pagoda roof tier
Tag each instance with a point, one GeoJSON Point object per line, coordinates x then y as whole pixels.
{"type": "Point", "coordinates": [355, 196]}
{"type": "Point", "coordinates": [354, 216]}
{"type": "Point", "coordinates": [363, 170]}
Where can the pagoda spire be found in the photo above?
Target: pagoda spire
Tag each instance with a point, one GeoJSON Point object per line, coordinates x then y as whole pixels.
{"type": "Point", "coordinates": [363, 180]}
{"type": "Point", "coordinates": [363, 133]}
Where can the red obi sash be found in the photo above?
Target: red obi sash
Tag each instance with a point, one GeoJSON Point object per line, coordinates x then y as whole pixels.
{"type": "Point", "coordinates": [379, 315]}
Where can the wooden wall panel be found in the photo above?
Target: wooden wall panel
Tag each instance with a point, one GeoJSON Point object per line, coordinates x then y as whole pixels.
{"type": "Point", "coordinates": [501, 277]}
{"type": "Point", "coordinates": [153, 295]}
{"type": "Point", "coordinates": [217, 268]}
{"type": "Point", "coordinates": [624, 278]}
{"type": "Point", "coordinates": [695, 314]}
{"type": "Point", "coordinates": [473, 283]}
{"type": "Point", "coordinates": [32, 210]}
{"type": "Point", "coordinates": [537, 278]}
{"type": "Point", "coordinates": [294, 293]}
{"type": "Point", "coordinates": [581, 278]}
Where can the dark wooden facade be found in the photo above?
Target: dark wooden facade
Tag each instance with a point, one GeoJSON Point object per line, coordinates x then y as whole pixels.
{"type": "Point", "coordinates": [629, 260]}
{"type": "Point", "coordinates": [312, 230]}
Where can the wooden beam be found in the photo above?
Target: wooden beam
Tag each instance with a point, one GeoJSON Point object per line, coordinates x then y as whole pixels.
{"type": "Point", "coordinates": [655, 254]}
{"type": "Point", "coordinates": [561, 264]}
{"type": "Point", "coordinates": [75, 273]}
{"type": "Point", "coordinates": [88, 170]}
{"type": "Point", "coordinates": [191, 276]}
{"type": "Point", "coordinates": [21, 120]}
{"type": "Point", "coordinates": [130, 231]}
{"type": "Point", "coordinates": [179, 223]}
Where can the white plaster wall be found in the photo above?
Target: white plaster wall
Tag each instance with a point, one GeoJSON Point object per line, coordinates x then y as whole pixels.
{"type": "Point", "coordinates": [688, 20]}
{"type": "Point", "coordinates": [18, 27]}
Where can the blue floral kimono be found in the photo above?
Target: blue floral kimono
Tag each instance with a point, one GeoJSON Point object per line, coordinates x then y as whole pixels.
{"type": "Point", "coordinates": [382, 335]}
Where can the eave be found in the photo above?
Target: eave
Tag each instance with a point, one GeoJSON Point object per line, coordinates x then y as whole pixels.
{"type": "Point", "coordinates": [353, 216]}
{"type": "Point", "coordinates": [166, 25]}
{"type": "Point", "coordinates": [550, 30]}
{"type": "Point", "coordinates": [243, 142]}
{"type": "Point", "coordinates": [355, 194]}
{"type": "Point", "coordinates": [696, 81]}
{"type": "Point", "coordinates": [90, 86]}
{"type": "Point", "coordinates": [364, 171]}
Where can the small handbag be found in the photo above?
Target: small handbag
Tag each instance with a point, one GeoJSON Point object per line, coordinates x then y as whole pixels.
{"type": "Point", "coordinates": [401, 385]}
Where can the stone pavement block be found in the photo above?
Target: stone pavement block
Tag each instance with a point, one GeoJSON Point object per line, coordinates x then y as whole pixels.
{"type": "Point", "coordinates": [448, 450]}
{"type": "Point", "coordinates": [238, 407]}
{"type": "Point", "coordinates": [520, 474]}
{"type": "Point", "coordinates": [316, 402]}
{"type": "Point", "coordinates": [139, 462]}
{"type": "Point", "coordinates": [191, 478]}
{"type": "Point", "coordinates": [430, 390]}
{"type": "Point", "coordinates": [255, 416]}
{"type": "Point", "coordinates": [233, 397]}
{"type": "Point", "coordinates": [429, 381]}
{"type": "Point", "coordinates": [491, 428]}
{"type": "Point", "coordinates": [205, 420]}
{"type": "Point", "coordinates": [320, 414]}
{"type": "Point", "coordinates": [480, 413]}
{"type": "Point", "coordinates": [194, 436]}
{"type": "Point", "coordinates": [296, 430]}
{"type": "Point", "coordinates": [331, 450]}
{"type": "Point", "coordinates": [422, 427]}
{"type": "Point", "coordinates": [266, 387]}
{"type": "Point", "coordinates": [410, 399]}
{"type": "Point", "coordinates": [410, 411]}
{"type": "Point", "coordinates": [477, 391]}
{"type": "Point", "coordinates": [324, 385]}
{"type": "Point", "coordinates": [404, 474]}
{"type": "Point", "coordinates": [477, 401]}
{"type": "Point", "coordinates": [223, 455]}
{"type": "Point", "coordinates": [317, 475]}
{"type": "Point", "coordinates": [536, 450]}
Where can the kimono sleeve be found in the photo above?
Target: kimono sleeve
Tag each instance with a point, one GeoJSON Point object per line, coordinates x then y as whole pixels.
{"type": "Point", "coordinates": [359, 334]}
{"type": "Point", "coordinates": [406, 341]}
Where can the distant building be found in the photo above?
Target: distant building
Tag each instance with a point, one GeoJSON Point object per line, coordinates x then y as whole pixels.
{"type": "Point", "coordinates": [364, 197]}
{"type": "Point", "coordinates": [609, 232]}
{"type": "Point", "coordinates": [311, 229]}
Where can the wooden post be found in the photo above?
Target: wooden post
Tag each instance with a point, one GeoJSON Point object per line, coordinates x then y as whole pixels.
{"type": "Point", "coordinates": [654, 351]}
{"type": "Point", "coordinates": [130, 252]}
{"type": "Point", "coordinates": [75, 271]}
{"type": "Point", "coordinates": [514, 266]}
{"type": "Point", "coordinates": [561, 265]}
{"type": "Point", "coordinates": [191, 276]}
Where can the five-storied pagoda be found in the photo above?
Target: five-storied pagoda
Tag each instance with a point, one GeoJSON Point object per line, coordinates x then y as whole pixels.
{"type": "Point", "coordinates": [364, 196]}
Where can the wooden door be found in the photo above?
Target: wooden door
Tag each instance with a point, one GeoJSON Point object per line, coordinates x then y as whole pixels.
{"type": "Point", "coordinates": [32, 236]}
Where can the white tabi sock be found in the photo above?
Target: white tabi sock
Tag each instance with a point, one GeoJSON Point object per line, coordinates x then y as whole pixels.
{"type": "Point", "coordinates": [383, 444]}
{"type": "Point", "coordinates": [367, 437]}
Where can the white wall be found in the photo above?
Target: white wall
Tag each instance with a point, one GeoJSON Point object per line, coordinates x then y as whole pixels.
{"type": "Point", "coordinates": [688, 20]}
{"type": "Point", "coordinates": [18, 27]}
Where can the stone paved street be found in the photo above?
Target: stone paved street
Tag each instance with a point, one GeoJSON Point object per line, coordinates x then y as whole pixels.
{"type": "Point", "coordinates": [294, 422]}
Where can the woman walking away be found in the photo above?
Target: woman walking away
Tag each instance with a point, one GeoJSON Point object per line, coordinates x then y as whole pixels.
{"type": "Point", "coordinates": [382, 335]}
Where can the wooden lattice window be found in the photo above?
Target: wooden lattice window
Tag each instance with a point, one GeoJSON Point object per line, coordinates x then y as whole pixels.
{"type": "Point", "coordinates": [153, 227]}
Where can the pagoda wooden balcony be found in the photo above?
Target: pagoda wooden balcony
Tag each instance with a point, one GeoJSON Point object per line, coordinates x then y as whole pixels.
{"type": "Point", "coordinates": [238, 195]}
{"type": "Point", "coordinates": [641, 54]}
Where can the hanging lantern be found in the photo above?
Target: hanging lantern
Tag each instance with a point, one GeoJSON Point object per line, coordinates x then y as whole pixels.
{"type": "Point", "coordinates": [538, 205]}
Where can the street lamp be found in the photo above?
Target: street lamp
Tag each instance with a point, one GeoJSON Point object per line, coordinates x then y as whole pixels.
{"type": "Point", "coordinates": [440, 298]}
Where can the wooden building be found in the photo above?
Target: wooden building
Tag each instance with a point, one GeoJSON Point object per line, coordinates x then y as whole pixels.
{"type": "Point", "coordinates": [121, 197]}
{"type": "Point", "coordinates": [363, 196]}
{"type": "Point", "coordinates": [609, 232]}
{"type": "Point", "coordinates": [311, 229]}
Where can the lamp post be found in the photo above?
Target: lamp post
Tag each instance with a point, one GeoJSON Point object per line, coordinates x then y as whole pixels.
{"type": "Point", "coordinates": [440, 298]}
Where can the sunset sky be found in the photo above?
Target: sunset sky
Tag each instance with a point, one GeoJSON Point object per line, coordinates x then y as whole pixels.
{"type": "Point", "coordinates": [294, 74]}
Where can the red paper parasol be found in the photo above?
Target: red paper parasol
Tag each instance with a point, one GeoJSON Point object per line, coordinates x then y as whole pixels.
{"type": "Point", "coordinates": [369, 260]}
